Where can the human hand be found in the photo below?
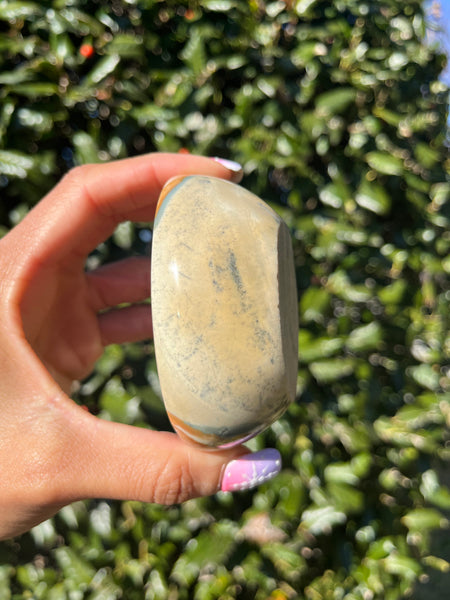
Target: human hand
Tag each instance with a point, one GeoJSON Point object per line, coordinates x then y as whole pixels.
{"type": "Point", "coordinates": [55, 319]}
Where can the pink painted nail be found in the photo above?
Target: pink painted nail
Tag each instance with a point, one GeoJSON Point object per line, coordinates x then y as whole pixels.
{"type": "Point", "coordinates": [251, 470]}
{"type": "Point", "coordinates": [231, 165]}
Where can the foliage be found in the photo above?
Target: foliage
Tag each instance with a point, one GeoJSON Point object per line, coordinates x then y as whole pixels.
{"type": "Point", "coordinates": [337, 113]}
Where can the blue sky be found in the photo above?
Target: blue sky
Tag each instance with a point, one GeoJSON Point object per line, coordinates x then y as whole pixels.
{"type": "Point", "coordinates": [445, 8]}
{"type": "Point", "coordinates": [445, 34]}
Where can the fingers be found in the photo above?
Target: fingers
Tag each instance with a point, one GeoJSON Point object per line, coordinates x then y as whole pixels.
{"type": "Point", "coordinates": [124, 325]}
{"type": "Point", "coordinates": [84, 209]}
{"type": "Point", "coordinates": [132, 463]}
{"type": "Point", "coordinates": [126, 281]}
{"type": "Point", "coordinates": [123, 462]}
{"type": "Point", "coordinates": [123, 281]}
{"type": "Point", "coordinates": [68, 454]}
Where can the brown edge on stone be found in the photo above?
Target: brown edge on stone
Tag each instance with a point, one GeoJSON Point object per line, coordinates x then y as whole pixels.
{"type": "Point", "coordinates": [198, 438]}
{"type": "Point", "coordinates": [168, 187]}
{"type": "Point", "coordinates": [186, 431]}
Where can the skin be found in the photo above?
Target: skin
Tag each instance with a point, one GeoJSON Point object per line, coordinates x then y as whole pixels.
{"type": "Point", "coordinates": [53, 327]}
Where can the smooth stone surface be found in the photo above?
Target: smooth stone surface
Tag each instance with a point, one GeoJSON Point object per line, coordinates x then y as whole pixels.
{"type": "Point", "coordinates": [224, 309]}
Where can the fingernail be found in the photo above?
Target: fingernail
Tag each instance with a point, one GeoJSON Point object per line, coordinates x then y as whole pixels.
{"type": "Point", "coordinates": [231, 165]}
{"type": "Point", "coordinates": [251, 470]}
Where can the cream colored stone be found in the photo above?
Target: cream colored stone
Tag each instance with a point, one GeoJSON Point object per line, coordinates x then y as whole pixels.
{"type": "Point", "coordinates": [224, 308]}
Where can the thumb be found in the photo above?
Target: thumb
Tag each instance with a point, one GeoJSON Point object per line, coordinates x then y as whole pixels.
{"type": "Point", "coordinates": [123, 462]}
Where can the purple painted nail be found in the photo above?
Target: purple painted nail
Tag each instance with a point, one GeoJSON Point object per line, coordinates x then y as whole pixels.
{"type": "Point", "coordinates": [231, 165]}
{"type": "Point", "coordinates": [251, 470]}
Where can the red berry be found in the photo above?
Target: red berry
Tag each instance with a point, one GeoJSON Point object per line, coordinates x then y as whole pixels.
{"type": "Point", "coordinates": [183, 151]}
{"type": "Point", "coordinates": [87, 50]}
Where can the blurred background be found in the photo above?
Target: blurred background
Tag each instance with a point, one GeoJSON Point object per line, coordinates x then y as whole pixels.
{"type": "Point", "coordinates": [338, 111]}
{"type": "Point", "coordinates": [438, 14]}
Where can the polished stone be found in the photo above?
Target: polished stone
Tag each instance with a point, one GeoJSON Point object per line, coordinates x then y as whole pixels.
{"type": "Point", "coordinates": [224, 309]}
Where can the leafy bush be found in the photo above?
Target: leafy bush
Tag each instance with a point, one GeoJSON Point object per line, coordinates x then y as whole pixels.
{"type": "Point", "coordinates": [337, 113]}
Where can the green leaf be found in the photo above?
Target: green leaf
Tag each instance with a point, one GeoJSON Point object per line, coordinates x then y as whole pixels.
{"type": "Point", "coordinates": [333, 195]}
{"type": "Point", "coordinates": [385, 163]}
{"type": "Point", "coordinates": [213, 587]}
{"type": "Point", "coordinates": [335, 101]}
{"type": "Point", "coordinates": [158, 585]}
{"type": "Point", "coordinates": [321, 520]}
{"type": "Point", "coordinates": [415, 416]}
{"type": "Point", "coordinates": [426, 376]}
{"type": "Point", "coordinates": [367, 337]}
{"type": "Point", "coordinates": [104, 67]}
{"type": "Point", "coordinates": [123, 236]}
{"type": "Point", "coordinates": [149, 113]}
{"type": "Point", "coordinates": [381, 548]}
{"type": "Point", "coordinates": [373, 197]}
{"type": "Point", "coordinates": [117, 404]}
{"type": "Point", "coordinates": [397, 60]}
{"type": "Point", "coordinates": [86, 148]}
{"type": "Point", "coordinates": [302, 6]}
{"type": "Point", "coordinates": [437, 563]}
{"type": "Point", "coordinates": [345, 497]}
{"type": "Point", "coordinates": [403, 566]}
{"type": "Point", "coordinates": [340, 284]}
{"type": "Point", "coordinates": [433, 491]}
{"type": "Point", "coordinates": [16, 76]}
{"type": "Point", "coordinates": [426, 155]}
{"type": "Point", "coordinates": [424, 519]}
{"type": "Point", "coordinates": [440, 193]}
{"type": "Point", "coordinates": [193, 54]}
{"type": "Point", "coordinates": [326, 371]}
{"type": "Point", "coordinates": [125, 45]}
{"type": "Point", "coordinates": [6, 571]}
{"type": "Point", "coordinates": [219, 5]}
{"type": "Point", "coordinates": [393, 294]}
{"type": "Point", "coordinates": [210, 547]}
{"type": "Point", "coordinates": [38, 120]}
{"type": "Point", "coordinates": [111, 359]}
{"type": "Point", "coordinates": [18, 10]}
{"type": "Point", "coordinates": [314, 303]}
{"type": "Point", "coordinates": [314, 349]}
{"type": "Point", "coordinates": [305, 52]}
{"type": "Point", "coordinates": [235, 62]}
{"type": "Point", "coordinates": [15, 164]}
{"type": "Point", "coordinates": [77, 570]}
{"type": "Point", "coordinates": [397, 433]}
{"type": "Point", "coordinates": [33, 91]}
{"type": "Point", "coordinates": [341, 473]}
{"type": "Point", "coordinates": [77, 21]}
{"type": "Point", "coordinates": [288, 562]}
{"type": "Point", "coordinates": [390, 117]}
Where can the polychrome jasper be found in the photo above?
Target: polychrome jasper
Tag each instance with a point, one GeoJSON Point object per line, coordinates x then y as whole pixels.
{"type": "Point", "coordinates": [224, 309]}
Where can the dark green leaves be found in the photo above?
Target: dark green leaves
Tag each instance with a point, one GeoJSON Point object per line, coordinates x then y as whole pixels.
{"type": "Point", "coordinates": [337, 113]}
{"type": "Point", "coordinates": [335, 101]}
{"type": "Point", "coordinates": [384, 163]}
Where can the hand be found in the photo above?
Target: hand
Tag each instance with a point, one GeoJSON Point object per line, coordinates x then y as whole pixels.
{"type": "Point", "coordinates": [53, 328]}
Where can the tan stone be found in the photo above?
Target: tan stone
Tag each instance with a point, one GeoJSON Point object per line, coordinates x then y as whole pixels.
{"type": "Point", "coordinates": [224, 308]}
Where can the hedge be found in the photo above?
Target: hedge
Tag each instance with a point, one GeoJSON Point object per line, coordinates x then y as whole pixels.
{"type": "Point", "coordinates": [338, 115]}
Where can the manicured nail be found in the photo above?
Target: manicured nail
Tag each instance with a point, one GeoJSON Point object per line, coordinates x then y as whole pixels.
{"type": "Point", "coordinates": [231, 165]}
{"type": "Point", "coordinates": [251, 470]}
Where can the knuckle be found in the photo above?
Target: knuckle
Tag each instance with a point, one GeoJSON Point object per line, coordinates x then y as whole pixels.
{"type": "Point", "coordinates": [76, 174]}
{"type": "Point", "coordinates": [82, 179]}
{"type": "Point", "coordinates": [175, 483]}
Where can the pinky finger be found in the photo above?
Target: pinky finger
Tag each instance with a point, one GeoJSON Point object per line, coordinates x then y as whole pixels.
{"type": "Point", "coordinates": [123, 325]}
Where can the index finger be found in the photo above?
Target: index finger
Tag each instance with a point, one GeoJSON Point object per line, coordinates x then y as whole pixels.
{"type": "Point", "coordinates": [87, 205]}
